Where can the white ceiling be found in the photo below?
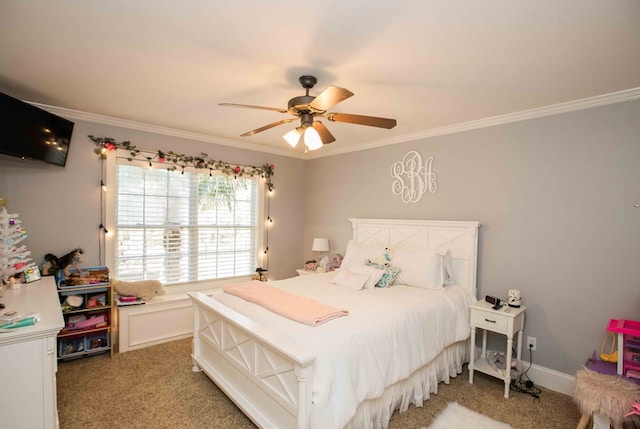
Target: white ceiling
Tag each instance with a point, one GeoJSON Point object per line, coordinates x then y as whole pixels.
{"type": "Point", "coordinates": [429, 64]}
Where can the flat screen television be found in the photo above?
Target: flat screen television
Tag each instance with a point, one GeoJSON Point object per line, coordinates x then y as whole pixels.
{"type": "Point", "coordinates": [29, 132]}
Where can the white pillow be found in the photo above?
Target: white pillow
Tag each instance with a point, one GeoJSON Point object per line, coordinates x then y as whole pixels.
{"type": "Point", "coordinates": [374, 274]}
{"type": "Point", "coordinates": [350, 280]}
{"type": "Point", "coordinates": [420, 268]}
{"type": "Point", "coordinates": [357, 253]}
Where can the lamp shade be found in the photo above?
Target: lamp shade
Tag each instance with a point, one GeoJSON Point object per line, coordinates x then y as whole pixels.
{"type": "Point", "coordinates": [312, 139]}
{"type": "Point", "coordinates": [293, 137]}
{"type": "Point", "coordinates": [320, 245]}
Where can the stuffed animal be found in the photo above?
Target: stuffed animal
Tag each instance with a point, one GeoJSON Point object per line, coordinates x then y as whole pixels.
{"type": "Point", "coordinates": [381, 261]}
{"type": "Point", "coordinates": [145, 289]}
{"type": "Point", "coordinates": [53, 264]}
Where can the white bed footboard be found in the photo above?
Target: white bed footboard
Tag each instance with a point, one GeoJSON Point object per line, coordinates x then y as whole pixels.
{"type": "Point", "coordinates": [266, 376]}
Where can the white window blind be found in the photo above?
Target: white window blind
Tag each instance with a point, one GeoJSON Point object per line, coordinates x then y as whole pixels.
{"type": "Point", "coordinates": [182, 227]}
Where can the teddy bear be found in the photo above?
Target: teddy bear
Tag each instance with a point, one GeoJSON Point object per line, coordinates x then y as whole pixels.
{"type": "Point", "coordinates": [145, 289]}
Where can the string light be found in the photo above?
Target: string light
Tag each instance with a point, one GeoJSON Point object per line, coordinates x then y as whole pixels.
{"type": "Point", "coordinates": [102, 228]}
{"type": "Point", "coordinates": [269, 223]}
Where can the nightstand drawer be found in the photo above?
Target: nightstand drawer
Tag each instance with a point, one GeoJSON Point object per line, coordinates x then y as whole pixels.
{"type": "Point", "coordinates": [489, 320]}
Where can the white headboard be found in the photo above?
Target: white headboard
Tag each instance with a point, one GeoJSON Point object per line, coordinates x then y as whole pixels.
{"type": "Point", "coordinates": [459, 236]}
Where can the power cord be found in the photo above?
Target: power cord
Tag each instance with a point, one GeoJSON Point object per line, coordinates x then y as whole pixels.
{"type": "Point", "coordinates": [524, 384]}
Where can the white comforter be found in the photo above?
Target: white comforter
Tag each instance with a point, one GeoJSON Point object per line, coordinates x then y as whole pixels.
{"type": "Point", "coordinates": [388, 334]}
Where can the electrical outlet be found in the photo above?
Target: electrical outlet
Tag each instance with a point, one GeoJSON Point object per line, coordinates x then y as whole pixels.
{"type": "Point", "coordinates": [531, 343]}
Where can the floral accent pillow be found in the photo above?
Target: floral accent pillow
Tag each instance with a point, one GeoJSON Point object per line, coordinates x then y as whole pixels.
{"type": "Point", "coordinates": [390, 273]}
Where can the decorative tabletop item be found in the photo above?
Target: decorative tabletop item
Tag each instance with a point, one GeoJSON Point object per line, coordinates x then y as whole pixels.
{"type": "Point", "coordinates": [13, 259]}
{"type": "Point", "coordinates": [335, 262]}
{"type": "Point", "coordinates": [515, 298]}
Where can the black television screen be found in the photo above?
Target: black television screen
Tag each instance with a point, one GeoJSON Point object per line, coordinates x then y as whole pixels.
{"type": "Point", "coordinates": [29, 132]}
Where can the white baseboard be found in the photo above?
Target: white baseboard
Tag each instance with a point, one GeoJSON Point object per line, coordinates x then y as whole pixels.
{"type": "Point", "coordinates": [551, 379]}
{"type": "Point", "coordinates": [545, 377]}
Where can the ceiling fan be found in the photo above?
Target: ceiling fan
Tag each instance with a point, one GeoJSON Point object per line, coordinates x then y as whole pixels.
{"type": "Point", "coordinates": [307, 107]}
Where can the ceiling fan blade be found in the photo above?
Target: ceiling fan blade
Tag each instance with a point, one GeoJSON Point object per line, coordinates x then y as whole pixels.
{"type": "Point", "coordinates": [323, 132]}
{"type": "Point", "coordinates": [371, 121]}
{"type": "Point", "coordinates": [266, 127]}
{"type": "Point", "coordinates": [249, 106]}
{"type": "Point", "coordinates": [328, 98]}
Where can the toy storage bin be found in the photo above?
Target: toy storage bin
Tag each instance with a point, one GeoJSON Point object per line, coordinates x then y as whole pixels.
{"type": "Point", "coordinates": [92, 276]}
{"type": "Point", "coordinates": [69, 347]}
{"type": "Point", "coordinates": [97, 343]}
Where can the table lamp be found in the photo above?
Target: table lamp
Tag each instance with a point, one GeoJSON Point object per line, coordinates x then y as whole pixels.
{"type": "Point", "coordinates": [321, 245]}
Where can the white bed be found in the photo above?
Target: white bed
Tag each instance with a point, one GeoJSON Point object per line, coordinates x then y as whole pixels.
{"type": "Point", "coordinates": [392, 349]}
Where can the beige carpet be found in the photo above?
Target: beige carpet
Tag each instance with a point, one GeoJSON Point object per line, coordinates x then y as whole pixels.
{"type": "Point", "coordinates": [155, 388]}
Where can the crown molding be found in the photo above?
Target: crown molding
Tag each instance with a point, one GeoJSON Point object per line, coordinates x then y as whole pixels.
{"type": "Point", "coordinates": [157, 129]}
{"type": "Point", "coordinates": [555, 109]}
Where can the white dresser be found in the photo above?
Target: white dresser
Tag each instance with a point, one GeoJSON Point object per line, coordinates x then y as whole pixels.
{"type": "Point", "coordinates": [28, 361]}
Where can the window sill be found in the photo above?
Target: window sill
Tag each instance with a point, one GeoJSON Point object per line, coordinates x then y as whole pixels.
{"type": "Point", "coordinates": [178, 293]}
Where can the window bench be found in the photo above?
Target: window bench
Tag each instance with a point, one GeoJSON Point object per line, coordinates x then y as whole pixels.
{"type": "Point", "coordinates": [164, 318]}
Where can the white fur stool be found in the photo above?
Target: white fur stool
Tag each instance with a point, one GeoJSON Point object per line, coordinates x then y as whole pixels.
{"type": "Point", "coordinates": [607, 397]}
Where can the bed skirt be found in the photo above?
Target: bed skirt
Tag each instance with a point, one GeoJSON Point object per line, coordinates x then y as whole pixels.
{"type": "Point", "coordinates": [376, 413]}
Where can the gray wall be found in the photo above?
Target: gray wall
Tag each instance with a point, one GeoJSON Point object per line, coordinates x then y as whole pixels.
{"type": "Point", "coordinates": [555, 197]}
{"type": "Point", "coordinates": [60, 207]}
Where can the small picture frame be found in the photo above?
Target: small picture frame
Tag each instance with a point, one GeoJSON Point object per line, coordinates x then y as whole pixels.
{"type": "Point", "coordinates": [31, 274]}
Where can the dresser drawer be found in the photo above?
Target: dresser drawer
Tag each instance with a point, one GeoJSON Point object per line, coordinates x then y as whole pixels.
{"type": "Point", "coordinates": [488, 320]}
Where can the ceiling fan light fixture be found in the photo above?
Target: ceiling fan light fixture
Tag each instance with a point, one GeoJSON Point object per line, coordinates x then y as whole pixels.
{"type": "Point", "coordinates": [312, 139]}
{"type": "Point", "coordinates": [293, 137]}
{"type": "Point", "coordinates": [313, 133]}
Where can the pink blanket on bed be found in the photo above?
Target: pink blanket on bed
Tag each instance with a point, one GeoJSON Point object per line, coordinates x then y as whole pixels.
{"type": "Point", "coordinates": [294, 307]}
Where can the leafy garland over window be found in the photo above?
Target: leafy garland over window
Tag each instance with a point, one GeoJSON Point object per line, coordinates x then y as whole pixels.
{"type": "Point", "coordinates": [176, 160]}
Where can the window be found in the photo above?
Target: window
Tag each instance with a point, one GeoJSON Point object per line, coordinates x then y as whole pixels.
{"type": "Point", "coordinates": [181, 227]}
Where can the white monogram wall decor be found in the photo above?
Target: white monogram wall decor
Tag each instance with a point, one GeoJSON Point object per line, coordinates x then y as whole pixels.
{"type": "Point", "coordinates": [412, 177]}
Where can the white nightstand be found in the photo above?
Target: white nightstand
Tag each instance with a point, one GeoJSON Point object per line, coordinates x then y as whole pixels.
{"type": "Point", "coordinates": [507, 321]}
